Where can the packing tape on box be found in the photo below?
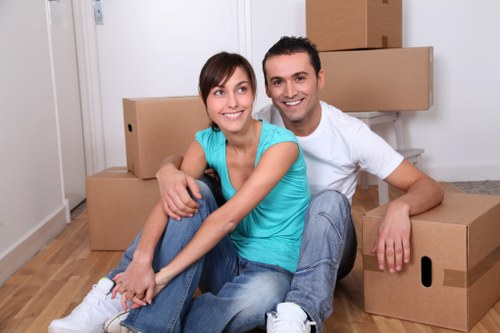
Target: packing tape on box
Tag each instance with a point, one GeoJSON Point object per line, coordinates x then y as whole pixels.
{"type": "Point", "coordinates": [452, 278]}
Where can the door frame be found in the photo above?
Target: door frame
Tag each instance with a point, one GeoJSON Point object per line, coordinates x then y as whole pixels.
{"type": "Point", "coordinates": [89, 75]}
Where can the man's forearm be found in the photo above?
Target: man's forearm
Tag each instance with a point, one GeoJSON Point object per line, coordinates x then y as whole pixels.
{"type": "Point", "coordinates": [173, 160]}
{"type": "Point", "coordinates": [423, 195]}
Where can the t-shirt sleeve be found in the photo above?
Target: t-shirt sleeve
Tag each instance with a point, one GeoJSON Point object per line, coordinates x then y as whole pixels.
{"type": "Point", "coordinates": [373, 153]}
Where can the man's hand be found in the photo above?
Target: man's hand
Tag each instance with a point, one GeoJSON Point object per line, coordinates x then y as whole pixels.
{"type": "Point", "coordinates": [136, 284]}
{"type": "Point", "coordinates": [392, 245]}
{"type": "Point", "coordinates": [175, 188]}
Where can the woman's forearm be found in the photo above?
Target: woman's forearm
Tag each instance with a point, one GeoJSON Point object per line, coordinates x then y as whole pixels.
{"type": "Point", "coordinates": [206, 238]}
{"type": "Point", "coordinates": [154, 227]}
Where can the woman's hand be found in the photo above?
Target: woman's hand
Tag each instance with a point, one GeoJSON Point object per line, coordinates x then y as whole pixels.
{"type": "Point", "coordinates": [136, 284]}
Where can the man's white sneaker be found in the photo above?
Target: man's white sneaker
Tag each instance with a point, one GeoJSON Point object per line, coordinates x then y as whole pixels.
{"type": "Point", "coordinates": [91, 314]}
{"type": "Point", "coordinates": [288, 318]}
{"type": "Point", "coordinates": [112, 325]}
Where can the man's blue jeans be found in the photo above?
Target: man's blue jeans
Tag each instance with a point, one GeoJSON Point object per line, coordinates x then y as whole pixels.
{"type": "Point", "coordinates": [237, 292]}
{"type": "Point", "coordinates": [327, 254]}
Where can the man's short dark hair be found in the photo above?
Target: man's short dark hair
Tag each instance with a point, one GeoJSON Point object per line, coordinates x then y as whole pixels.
{"type": "Point", "coordinates": [288, 45]}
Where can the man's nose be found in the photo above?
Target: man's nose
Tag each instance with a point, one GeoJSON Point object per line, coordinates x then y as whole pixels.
{"type": "Point", "coordinates": [290, 90]}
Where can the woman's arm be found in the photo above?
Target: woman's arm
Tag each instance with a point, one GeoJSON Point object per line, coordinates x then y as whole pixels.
{"type": "Point", "coordinates": [139, 279]}
{"type": "Point", "coordinates": [272, 166]}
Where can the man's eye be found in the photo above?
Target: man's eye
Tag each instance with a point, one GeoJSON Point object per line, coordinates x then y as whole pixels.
{"type": "Point", "coordinates": [300, 78]}
{"type": "Point", "coordinates": [277, 82]}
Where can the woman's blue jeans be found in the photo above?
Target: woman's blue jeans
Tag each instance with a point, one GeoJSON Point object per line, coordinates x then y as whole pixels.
{"type": "Point", "coordinates": [237, 293]}
{"type": "Point", "coordinates": [327, 254]}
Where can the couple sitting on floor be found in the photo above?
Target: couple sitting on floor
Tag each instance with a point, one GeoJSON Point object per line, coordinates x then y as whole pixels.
{"type": "Point", "coordinates": [267, 240]}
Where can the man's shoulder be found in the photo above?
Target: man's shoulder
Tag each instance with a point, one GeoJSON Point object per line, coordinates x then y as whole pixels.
{"type": "Point", "coordinates": [337, 117]}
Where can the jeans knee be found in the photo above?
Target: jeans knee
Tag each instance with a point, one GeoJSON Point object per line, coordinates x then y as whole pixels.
{"type": "Point", "coordinates": [265, 291]}
{"type": "Point", "coordinates": [329, 202]}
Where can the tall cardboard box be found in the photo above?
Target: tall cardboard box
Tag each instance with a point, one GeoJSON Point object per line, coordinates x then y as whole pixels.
{"type": "Point", "coordinates": [454, 275]}
{"type": "Point", "coordinates": [118, 204]}
{"type": "Point", "coordinates": [158, 127]}
{"type": "Point", "coordinates": [379, 80]}
{"type": "Point", "coordinates": [354, 24]}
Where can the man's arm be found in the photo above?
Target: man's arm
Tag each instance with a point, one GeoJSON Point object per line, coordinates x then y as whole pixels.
{"type": "Point", "coordinates": [392, 245]}
{"type": "Point", "coordinates": [175, 186]}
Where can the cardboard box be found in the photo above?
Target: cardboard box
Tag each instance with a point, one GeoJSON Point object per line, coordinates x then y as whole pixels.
{"type": "Point", "coordinates": [453, 277]}
{"type": "Point", "coordinates": [354, 24]}
{"type": "Point", "coordinates": [379, 80]}
{"type": "Point", "coordinates": [118, 204]}
{"type": "Point", "coordinates": [158, 127]}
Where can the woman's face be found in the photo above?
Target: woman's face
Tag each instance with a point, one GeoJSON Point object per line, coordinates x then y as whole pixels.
{"type": "Point", "coordinates": [230, 105]}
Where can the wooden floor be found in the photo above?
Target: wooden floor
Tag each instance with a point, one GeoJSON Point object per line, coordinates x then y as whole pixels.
{"type": "Point", "coordinates": [58, 277]}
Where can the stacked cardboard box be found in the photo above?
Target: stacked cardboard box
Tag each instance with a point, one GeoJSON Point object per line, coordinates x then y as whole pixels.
{"type": "Point", "coordinates": [120, 199]}
{"type": "Point", "coordinates": [360, 44]}
{"type": "Point", "coordinates": [452, 279]}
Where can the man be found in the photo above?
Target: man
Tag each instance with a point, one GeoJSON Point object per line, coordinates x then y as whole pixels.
{"type": "Point", "coordinates": [336, 146]}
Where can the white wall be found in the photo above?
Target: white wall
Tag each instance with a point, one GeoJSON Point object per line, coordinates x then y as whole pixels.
{"type": "Point", "coordinates": [460, 132]}
{"type": "Point", "coordinates": [32, 210]}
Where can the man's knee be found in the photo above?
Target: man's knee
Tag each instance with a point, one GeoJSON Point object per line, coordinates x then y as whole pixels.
{"type": "Point", "coordinates": [329, 202]}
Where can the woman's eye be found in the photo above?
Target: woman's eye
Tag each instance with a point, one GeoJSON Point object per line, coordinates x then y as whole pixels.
{"type": "Point", "coordinates": [218, 92]}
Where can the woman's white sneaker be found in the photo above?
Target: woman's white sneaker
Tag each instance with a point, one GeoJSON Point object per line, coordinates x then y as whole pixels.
{"type": "Point", "coordinates": [91, 314]}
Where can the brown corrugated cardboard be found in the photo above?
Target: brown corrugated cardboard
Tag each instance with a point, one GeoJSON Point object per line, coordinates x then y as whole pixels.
{"type": "Point", "coordinates": [378, 80]}
{"type": "Point", "coordinates": [158, 127]}
{"type": "Point", "coordinates": [354, 24]}
{"type": "Point", "coordinates": [453, 277]}
{"type": "Point", "coordinates": [118, 204]}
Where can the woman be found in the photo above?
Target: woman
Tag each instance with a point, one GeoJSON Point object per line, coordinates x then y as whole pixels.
{"type": "Point", "coordinates": [242, 254]}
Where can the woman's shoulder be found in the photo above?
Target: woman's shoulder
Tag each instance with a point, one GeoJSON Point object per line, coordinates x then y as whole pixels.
{"type": "Point", "coordinates": [274, 133]}
{"type": "Point", "coordinates": [209, 137]}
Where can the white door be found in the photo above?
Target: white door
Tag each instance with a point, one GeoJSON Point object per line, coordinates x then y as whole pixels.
{"type": "Point", "coordinates": [62, 35]}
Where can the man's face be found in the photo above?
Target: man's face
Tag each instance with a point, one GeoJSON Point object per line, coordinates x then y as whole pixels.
{"type": "Point", "coordinates": [293, 87]}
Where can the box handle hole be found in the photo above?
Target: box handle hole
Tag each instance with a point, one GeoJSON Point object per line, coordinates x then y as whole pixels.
{"type": "Point", "coordinates": [129, 127]}
{"type": "Point", "coordinates": [426, 271]}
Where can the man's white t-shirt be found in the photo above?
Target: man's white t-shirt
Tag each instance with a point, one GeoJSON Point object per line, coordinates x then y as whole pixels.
{"type": "Point", "coordinates": [338, 149]}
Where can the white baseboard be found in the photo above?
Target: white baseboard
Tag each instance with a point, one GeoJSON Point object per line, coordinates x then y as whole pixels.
{"type": "Point", "coordinates": [22, 251]}
{"type": "Point", "coordinates": [464, 172]}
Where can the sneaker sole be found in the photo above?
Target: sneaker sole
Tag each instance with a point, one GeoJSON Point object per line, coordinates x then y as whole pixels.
{"type": "Point", "coordinates": [67, 330]}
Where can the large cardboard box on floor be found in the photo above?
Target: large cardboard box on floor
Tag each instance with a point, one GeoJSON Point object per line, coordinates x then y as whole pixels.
{"type": "Point", "coordinates": [379, 80]}
{"type": "Point", "coordinates": [118, 204]}
{"type": "Point", "coordinates": [354, 24]}
{"type": "Point", "coordinates": [453, 277]}
{"type": "Point", "coordinates": [158, 127]}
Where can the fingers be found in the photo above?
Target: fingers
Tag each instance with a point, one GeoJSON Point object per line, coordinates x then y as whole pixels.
{"type": "Point", "coordinates": [178, 203]}
{"type": "Point", "coordinates": [195, 190]}
{"type": "Point", "coordinates": [392, 254]}
{"type": "Point", "coordinates": [149, 295]}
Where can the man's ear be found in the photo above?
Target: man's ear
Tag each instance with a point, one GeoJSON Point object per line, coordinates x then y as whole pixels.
{"type": "Point", "coordinates": [321, 79]}
{"type": "Point", "coordinates": [268, 93]}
